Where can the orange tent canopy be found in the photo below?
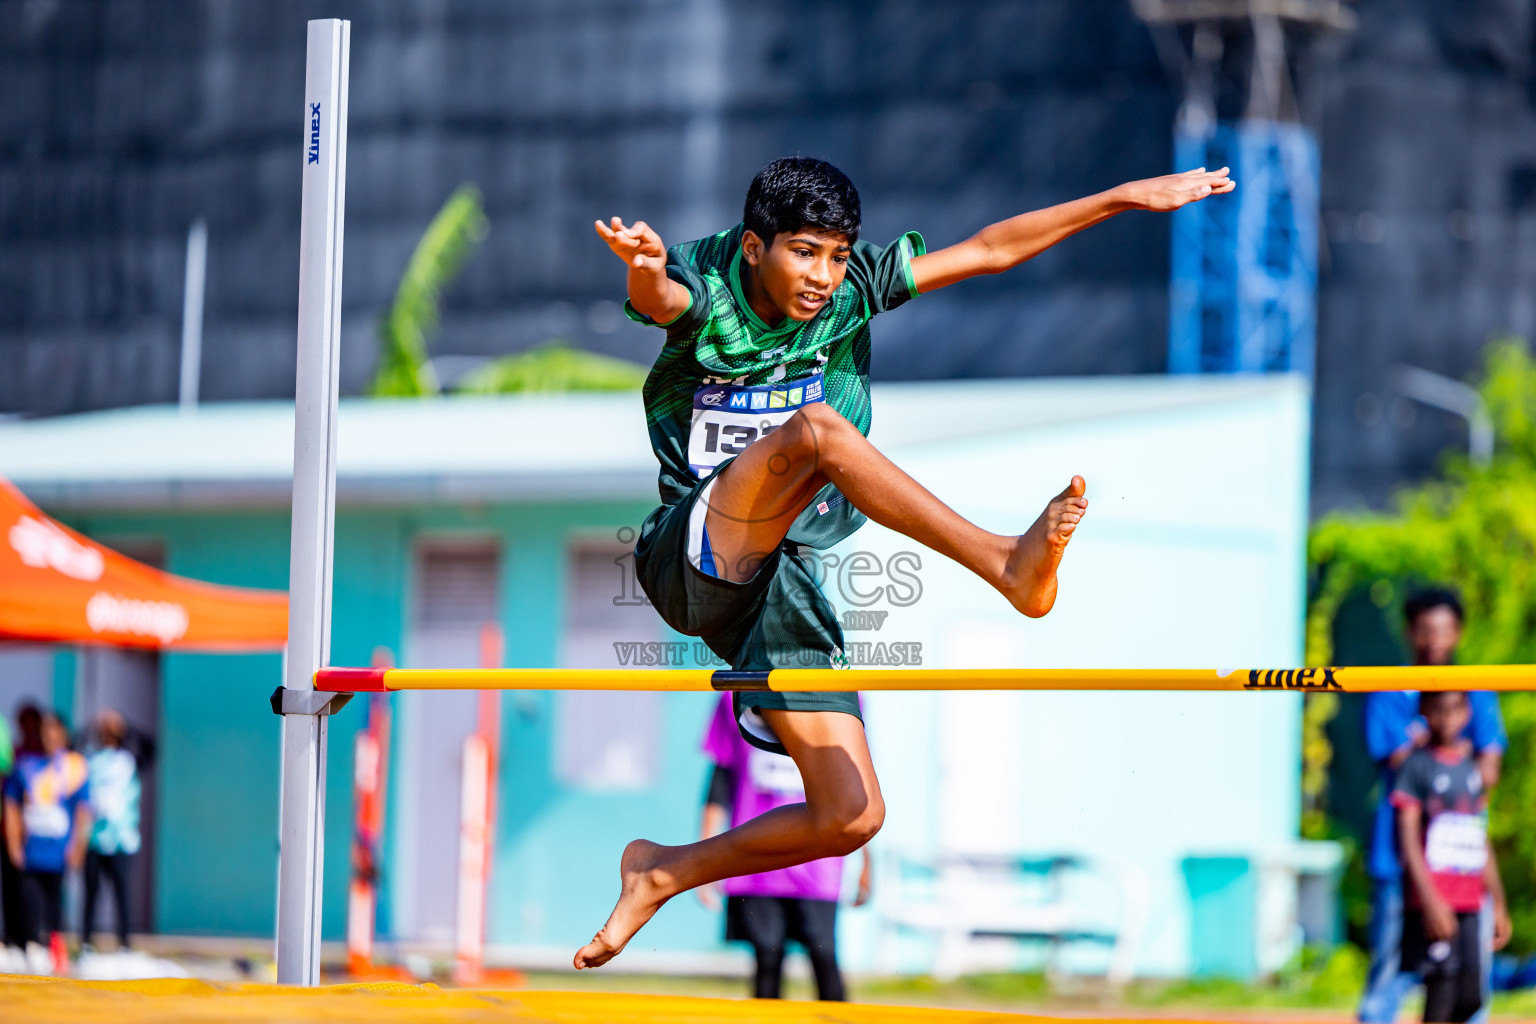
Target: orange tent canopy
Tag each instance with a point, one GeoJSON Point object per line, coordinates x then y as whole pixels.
{"type": "Point", "coordinates": [58, 586]}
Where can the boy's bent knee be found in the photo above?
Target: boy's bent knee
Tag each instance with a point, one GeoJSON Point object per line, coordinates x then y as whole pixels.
{"type": "Point", "coordinates": [799, 437]}
{"type": "Point", "coordinates": [865, 827]}
{"type": "Point", "coordinates": [817, 430]}
{"type": "Point", "coordinates": [843, 834]}
{"type": "Point", "coordinates": [820, 417]}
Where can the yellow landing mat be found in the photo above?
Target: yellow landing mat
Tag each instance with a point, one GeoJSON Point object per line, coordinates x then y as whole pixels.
{"type": "Point", "coordinates": [172, 1001]}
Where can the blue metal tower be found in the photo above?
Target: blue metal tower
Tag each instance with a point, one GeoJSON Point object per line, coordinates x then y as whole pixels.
{"type": "Point", "coordinates": [1243, 296]}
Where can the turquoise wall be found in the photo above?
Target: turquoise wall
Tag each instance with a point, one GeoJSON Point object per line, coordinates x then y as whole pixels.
{"type": "Point", "coordinates": [555, 873]}
{"type": "Point", "coordinates": [219, 743]}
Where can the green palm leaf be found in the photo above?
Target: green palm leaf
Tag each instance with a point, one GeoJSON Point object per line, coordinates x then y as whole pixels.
{"type": "Point", "coordinates": [404, 368]}
{"type": "Point", "coordinates": [554, 366]}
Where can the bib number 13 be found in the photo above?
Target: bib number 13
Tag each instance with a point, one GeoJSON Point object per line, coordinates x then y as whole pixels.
{"type": "Point", "coordinates": [727, 419]}
{"type": "Point", "coordinates": [732, 438]}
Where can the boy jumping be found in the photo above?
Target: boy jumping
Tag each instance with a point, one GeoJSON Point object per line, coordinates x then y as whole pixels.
{"type": "Point", "coordinates": [758, 407]}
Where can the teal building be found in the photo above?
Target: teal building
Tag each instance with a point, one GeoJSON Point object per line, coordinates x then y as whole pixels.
{"type": "Point", "coordinates": [517, 514]}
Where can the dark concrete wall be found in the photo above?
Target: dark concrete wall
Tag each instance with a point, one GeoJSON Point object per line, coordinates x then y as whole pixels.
{"type": "Point", "coordinates": [1429, 210]}
{"type": "Point", "coordinates": [124, 121]}
{"type": "Point", "coordinates": [121, 121]}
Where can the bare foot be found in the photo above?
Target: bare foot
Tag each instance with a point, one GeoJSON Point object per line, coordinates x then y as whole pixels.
{"type": "Point", "coordinates": [1029, 578]}
{"type": "Point", "coordinates": [640, 896]}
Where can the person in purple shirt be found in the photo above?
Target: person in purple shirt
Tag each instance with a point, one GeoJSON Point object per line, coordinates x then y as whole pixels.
{"type": "Point", "coordinates": [771, 909]}
{"type": "Point", "coordinates": [1393, 731]}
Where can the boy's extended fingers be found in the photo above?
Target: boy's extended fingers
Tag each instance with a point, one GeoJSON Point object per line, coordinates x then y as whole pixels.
{"type": "Point", "coordinates": [1206, 188]}
{"type": "Point", "coordinates": [616, 240]}
{"type": "Point", "coordinates": [616, 232]}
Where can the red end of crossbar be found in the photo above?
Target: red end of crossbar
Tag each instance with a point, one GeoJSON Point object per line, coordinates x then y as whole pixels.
{"type": "Point", "coordinates": [351, 680]}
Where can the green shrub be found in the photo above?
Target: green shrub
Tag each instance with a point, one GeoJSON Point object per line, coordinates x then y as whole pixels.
{"type": "Point", "coordinates": [1473, 527]}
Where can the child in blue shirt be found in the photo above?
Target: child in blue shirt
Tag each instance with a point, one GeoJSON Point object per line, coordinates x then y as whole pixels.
{"type": "Point", "coordinates": [47, 824]}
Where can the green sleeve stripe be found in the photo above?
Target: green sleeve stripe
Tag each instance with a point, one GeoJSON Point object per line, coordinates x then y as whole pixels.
{"type": "Point", "coordinates": [912, 245]}
{"type": "Point", "coordinates": [640, 318]}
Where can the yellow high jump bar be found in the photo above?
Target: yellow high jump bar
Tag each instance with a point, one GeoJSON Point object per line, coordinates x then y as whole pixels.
{"type": "Point", "coordinates": [1357, 679]}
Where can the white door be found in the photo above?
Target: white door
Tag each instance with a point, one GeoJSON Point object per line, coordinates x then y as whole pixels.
{"type": "Point", "coordinates": [455, 595]}
{"type": "Point", "coordinates": [605, 739]}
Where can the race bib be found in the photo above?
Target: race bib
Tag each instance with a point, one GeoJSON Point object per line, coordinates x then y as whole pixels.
{"type": "Point", "coordinates": [774, 773]}
{"type": "Point", "coordinates": [1456, 843]}
{"type": "Point", "coordinates": [727, 418]}
{"type": "Point", "coordinates": [45, 821]}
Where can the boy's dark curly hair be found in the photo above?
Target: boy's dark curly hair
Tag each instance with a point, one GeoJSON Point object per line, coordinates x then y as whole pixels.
{"type": "Point", "coordinates": [797, 192]}
{"type": "Point", "coordinates": [1421, 601]}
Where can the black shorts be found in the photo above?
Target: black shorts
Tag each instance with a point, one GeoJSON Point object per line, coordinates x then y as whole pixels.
{"type": "Point", "coordinates": [777, 619]}
{"type": "Point", "coordinates": [1457, 956]}
{"type": "Point", "coordinates": [1451, 969]}
{"type": "Point", "coordinates": [770, 921]}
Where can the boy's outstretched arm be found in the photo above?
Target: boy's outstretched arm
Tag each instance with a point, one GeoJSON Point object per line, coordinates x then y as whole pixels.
{"type": "Point", "coordinates": [651, 291]}
{"type": "Point", "coordinates": [1006, 244]}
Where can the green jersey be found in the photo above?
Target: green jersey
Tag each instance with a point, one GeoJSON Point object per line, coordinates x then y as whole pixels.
{"type": "Point", "coordinates": [725, 378]}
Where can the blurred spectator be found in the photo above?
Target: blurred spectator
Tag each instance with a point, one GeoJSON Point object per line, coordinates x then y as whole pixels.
{"type": "Point", "coordinates": [7, 757]}
{"type": "Point", "coordinates": [47, 826]}
{"type": "Point", "coordinates": [29, 740]}
{"type": "Point", "coordinates": [769, 910]}
{"type": "Point", "coordinates": [114, 801]}
{"type": "Point", "coordinates": [1393, 731]}
{"type": "Point", "coordinates": [1448, 864]}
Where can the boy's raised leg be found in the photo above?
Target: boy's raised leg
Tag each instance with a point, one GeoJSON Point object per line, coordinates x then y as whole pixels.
{"type": "Point", "coordinates": [752, 505]}
{"type": "Point", "coordinates": [843, 809]}
{"type": "Point", "coordinates": [755, 500]}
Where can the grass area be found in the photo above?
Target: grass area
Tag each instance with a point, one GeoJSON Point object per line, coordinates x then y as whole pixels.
{"type": "Point", "coordinates": [1520, 1004]}
{"type": "Point", "coordinates": [1324, 983]}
